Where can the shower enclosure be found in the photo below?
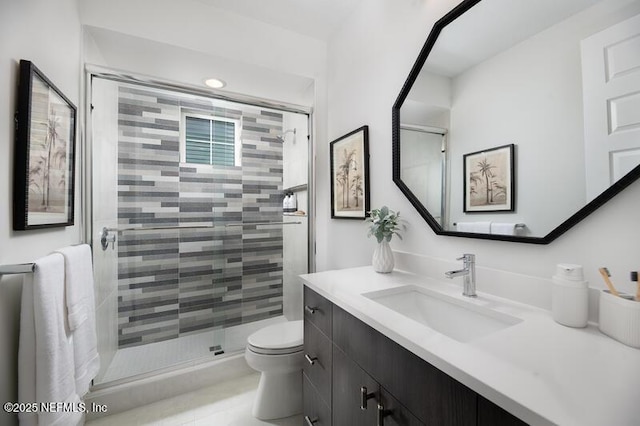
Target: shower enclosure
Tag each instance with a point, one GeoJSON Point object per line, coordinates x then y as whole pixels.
{"type": "Point", "coordinates": [192, 249]}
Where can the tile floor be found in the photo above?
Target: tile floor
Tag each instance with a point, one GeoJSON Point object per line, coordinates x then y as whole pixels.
{"type": "Point", "coordinates": [226, 404]}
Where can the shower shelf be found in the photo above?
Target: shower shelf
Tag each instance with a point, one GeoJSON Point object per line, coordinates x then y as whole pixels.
{"type": "Point", "coordinates": [296, 188]}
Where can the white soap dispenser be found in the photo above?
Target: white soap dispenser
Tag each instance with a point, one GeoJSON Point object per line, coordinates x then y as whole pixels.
{"type": "Point", "coordinates": [570, 296]}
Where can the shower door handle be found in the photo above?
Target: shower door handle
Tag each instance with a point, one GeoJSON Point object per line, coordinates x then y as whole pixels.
{"type": "Point", "coordinates": [106, 238]}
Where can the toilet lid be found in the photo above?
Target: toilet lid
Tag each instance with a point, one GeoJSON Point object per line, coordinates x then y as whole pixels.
{"type": "Point", "coordinates": [284, 335]}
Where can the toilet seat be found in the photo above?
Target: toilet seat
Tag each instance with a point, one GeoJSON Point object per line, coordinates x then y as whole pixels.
{"type": "Point", "coordinates": [277, 339]}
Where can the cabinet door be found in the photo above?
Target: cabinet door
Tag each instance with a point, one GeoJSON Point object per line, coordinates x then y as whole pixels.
{"type": "Point", "coordinates": [392, 413]}
{"type": "Point", "coordinates": [489, 414]}
{"type": "Point", "coordinates": [317, 309]}
{"type": "Point", "coordinates": [348, 383]}
{"type": "Point", "coordinates": [316, 412]}
{"type": "Point", "coordinates": [317, 364]}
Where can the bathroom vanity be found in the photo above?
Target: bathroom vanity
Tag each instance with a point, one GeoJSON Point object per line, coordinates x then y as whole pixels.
{"type": "Point", "coordinates": [370, 360]}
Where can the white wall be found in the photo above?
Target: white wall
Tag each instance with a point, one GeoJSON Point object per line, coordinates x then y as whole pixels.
{"type": "Point", "coordinates": [189, 41]}
{"type": "Point", "coordinates": [47, 33]}
{"type": "Point", "coordinates": [193, 25]}
{"type": "Point", "coordinates": [369, 59]}
{"type": "Point", "coordinates": [429, 102]}
{"type": "Point", "coordinates": [152, 58]}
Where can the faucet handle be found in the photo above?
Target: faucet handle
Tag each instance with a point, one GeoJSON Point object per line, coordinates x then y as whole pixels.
{"type": "Point", "coordinates": [468, 257]}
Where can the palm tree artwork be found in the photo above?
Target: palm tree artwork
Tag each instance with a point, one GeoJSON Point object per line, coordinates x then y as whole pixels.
{"type": "Point", "coordinates": [489, 179]}
{"type": "Point", "coordinates": [349, 178]}
{"type": "Point", "coordinates": [350, 174]}
{"type": "Point", "coordinates": [356, 185]}
{"type": "Point", "coordinates": [44, 153]}
{"type": "Point", "coordinates": [485, 171]}
{"type": "Point", "coordinates": [48, 166]}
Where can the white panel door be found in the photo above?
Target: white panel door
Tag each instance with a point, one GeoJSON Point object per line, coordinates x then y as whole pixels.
{"type": "Point", "coordinates": [611, 83]}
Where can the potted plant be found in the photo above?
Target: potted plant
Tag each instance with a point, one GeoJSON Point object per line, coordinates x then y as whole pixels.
{"type": "Point", "coordinates": [384, 224]}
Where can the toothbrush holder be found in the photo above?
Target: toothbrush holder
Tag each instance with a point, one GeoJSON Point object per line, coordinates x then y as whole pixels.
{"type": "Point", "coordinates": [620, 318]}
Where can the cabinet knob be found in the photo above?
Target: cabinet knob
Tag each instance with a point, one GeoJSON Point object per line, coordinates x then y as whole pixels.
{"type": "Point", "coordinates": [310, 360]}
{"type": "Point", "coordinates": [382, 413]}
{"type": "Point", "coordinates": [310, 421]}
{"type": "Point", "coordinates": [364, 397]}
{"type": "Point", "coordinates": [311, 310]}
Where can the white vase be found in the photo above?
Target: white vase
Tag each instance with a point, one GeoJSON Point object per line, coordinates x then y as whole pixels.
{"type": "Point", "coordinates": [383, 258]}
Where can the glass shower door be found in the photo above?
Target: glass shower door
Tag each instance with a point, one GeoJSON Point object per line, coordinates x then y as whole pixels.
{"type": "Point", "coordinates": [203, 254]}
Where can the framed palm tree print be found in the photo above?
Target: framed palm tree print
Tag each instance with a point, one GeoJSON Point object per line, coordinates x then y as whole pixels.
{"type": "Point", "coordinates": [349, 156]}
{"type": "Point", "coordinates": [489, 180]}
{"type": "Point", "coordinates": [43, 192]}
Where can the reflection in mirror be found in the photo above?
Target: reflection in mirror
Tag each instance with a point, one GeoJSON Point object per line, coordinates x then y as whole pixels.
{"type": "Point", "coordinates": [423, 166]}
{"type": "Point", "coordinates": [559, 80]}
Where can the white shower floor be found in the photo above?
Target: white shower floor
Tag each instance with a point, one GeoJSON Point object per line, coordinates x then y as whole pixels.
{"type": "Point", "coordinates": [144, 359]}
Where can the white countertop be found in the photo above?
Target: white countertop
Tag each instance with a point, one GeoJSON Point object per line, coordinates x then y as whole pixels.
{"type": "Point", "coordinates": [541, 371]}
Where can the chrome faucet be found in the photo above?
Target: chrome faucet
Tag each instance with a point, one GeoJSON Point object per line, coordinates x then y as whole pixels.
{"type": "Point", "coordinates": [468, 274]}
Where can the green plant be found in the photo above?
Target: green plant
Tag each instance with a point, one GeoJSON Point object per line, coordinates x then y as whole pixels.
{"type": "Point", "coordinates": [385, 224]}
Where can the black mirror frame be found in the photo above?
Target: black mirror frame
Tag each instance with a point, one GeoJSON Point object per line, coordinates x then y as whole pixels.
{"type": "Point", "coordinates": [592, 206]}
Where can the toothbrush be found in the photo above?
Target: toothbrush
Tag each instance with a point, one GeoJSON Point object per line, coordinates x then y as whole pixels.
{"type": "Point", "coordinates": [634, 277]}
{"type": "Point", "coordinates": [605, 276]}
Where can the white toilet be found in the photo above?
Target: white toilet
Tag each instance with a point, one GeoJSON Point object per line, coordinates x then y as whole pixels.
{"type": "Point", "coordinates": [277, 352]}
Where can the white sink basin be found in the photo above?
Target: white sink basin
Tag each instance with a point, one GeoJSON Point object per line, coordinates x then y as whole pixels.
{"type": "Point", "coordinates": [461, 320]}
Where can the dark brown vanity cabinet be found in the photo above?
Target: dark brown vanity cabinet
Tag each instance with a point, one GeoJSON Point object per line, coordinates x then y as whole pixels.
{"type": "Point", "coordinates": [354, 375]}
{"type": "Point", "coordinates": [318, 365]}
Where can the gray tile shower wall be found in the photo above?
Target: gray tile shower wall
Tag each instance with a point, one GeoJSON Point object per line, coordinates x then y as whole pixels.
{"type": "Point", "coordinates": [177, 282]}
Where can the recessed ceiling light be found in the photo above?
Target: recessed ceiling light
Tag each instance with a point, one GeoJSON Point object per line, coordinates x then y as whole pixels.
{"type": "Point", "coordinates": [215, 83]}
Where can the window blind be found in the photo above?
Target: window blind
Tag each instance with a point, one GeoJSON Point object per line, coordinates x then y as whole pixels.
{"type": "Point", "coordinates": [210, 141]}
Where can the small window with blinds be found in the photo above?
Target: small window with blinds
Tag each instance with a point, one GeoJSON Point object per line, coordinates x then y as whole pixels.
{"type": "Point", "coordinates": [210, 140]}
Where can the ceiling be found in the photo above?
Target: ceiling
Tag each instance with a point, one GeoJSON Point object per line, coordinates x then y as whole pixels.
{"type": "Point", "coordinates": [314, 18]}
{"type": "Point", "coordinates": [496, 25]}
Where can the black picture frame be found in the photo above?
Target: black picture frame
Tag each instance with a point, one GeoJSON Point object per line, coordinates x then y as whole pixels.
{"type": "Point", "coordinates": [349, 157]}
{"type": "Point", "coordinates": [489, 180]}
{"type": "Point", "coordinates": [44, 154]}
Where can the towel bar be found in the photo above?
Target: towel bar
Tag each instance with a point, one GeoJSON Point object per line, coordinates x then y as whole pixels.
{"type": "Point", "coordinates": [20, 268]}
{"type": "Point", "coordinates": [107, 237]}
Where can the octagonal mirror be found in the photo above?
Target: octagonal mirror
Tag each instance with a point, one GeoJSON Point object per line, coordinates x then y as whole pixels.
{"type": "Point", "coordinates": [519, 118]}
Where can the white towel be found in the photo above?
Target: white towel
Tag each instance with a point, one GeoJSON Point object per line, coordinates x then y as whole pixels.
{"type": "Point", "coordinates": [81, 314]}
{"type": "Point", "coordinates": [45, 356]}
{"type": "Point", "coordinates": [503, 228]}
{"type": "Point", "coordinates": [476, 227]}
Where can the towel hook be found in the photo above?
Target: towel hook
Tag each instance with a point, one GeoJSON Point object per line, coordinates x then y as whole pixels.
{"type": "Point", "coordinates": [106, 238]}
